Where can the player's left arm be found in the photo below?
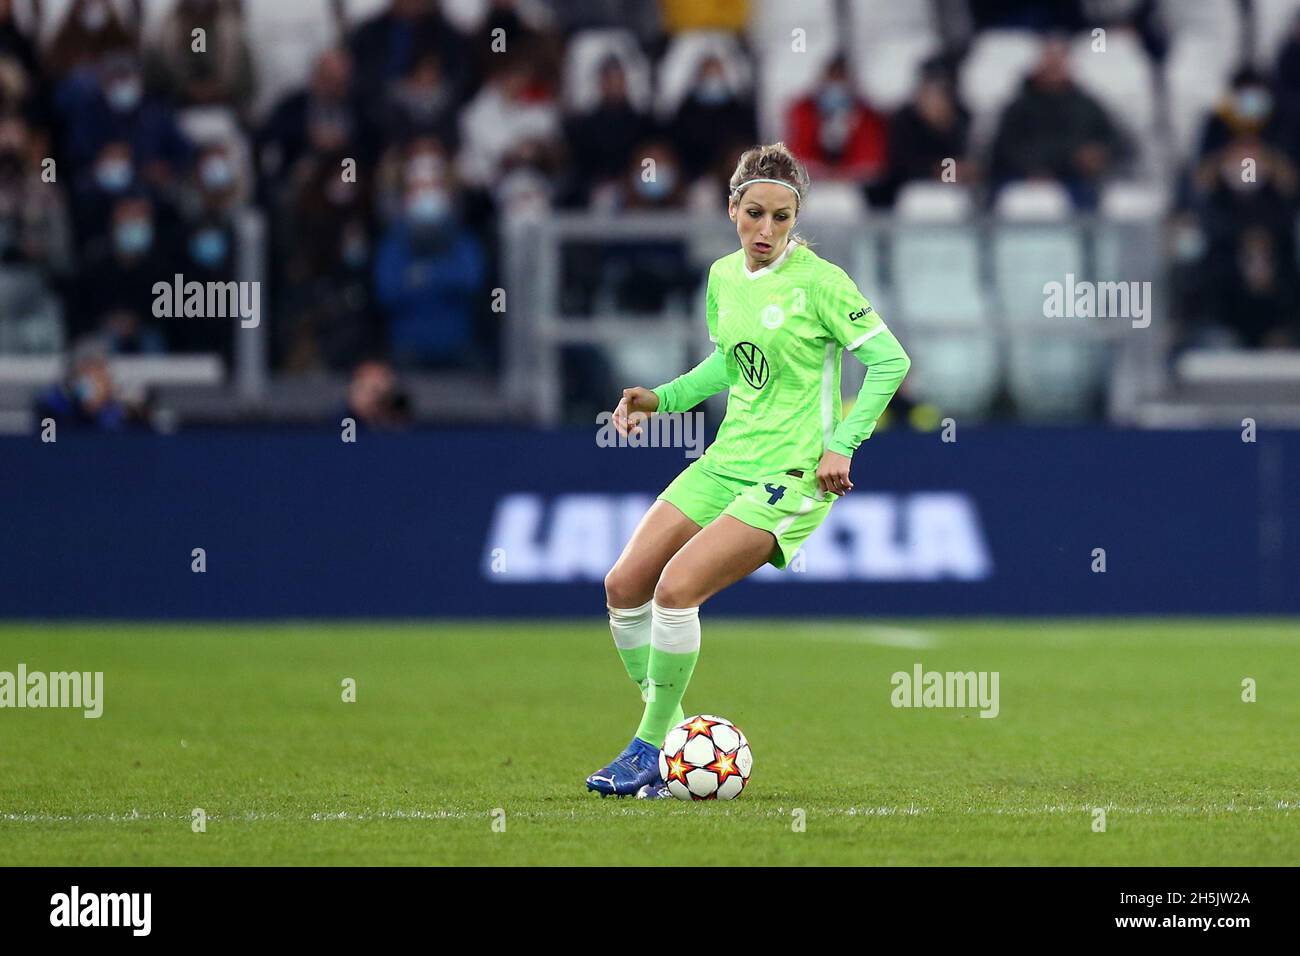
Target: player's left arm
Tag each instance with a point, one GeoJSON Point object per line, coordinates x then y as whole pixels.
{"type": "Point", "coordinates": [849, 318]}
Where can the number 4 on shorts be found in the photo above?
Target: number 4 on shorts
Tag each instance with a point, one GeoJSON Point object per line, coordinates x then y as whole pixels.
{"type": "Point", "coordinates": [776, 492]}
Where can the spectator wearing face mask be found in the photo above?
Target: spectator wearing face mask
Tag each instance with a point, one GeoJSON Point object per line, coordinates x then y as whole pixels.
{"type": "Point", "coordinates": [90, 30]}
{"type": "Point", "coordinates": [205, 241]}
{"type": "Point", "coordinates": [640, 276]}
{"type": "Point", "coordinates": [1246, 217]}
{"type": "Point", "coordinates": [119, 275]}
{"type": "Point", "coordinates": [87, 397]}
{"type": "Point", "coordinates": [1247, 109]}
{"type": "Point", "coordinates": [118, 108]}
{"type": "Point", "coordinates": [220, 75]}
{"type": "Point", "coordinates": [216, 184]}
{"type": "Point", "coordinates": [836, 133]}
{"type": "Point", "coordinates": [111, 177]}
{"type": "Point", "coordinates": [428, 271]}
{"type": "Point", "coordinates": [659, 184]}
{"type": "Point", "coordinates": [712, 120]}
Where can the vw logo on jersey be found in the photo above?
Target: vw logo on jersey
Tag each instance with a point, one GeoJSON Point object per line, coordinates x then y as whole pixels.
{"type": "Point", "coordinates": [772, 316]}
{"type": "Point", "coordinates": [752, 362]}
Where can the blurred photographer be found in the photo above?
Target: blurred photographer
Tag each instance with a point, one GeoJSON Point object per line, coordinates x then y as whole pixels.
{"type": "Point", "coordinates": [376, 400]}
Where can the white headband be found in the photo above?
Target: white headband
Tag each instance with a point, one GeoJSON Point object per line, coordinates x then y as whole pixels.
{"type": "Point", "coordinates": [779, 182]}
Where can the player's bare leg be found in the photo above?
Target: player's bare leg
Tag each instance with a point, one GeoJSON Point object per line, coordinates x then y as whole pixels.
{"type": "Point", "coordinates": [725, 552]}
{"type": "Point", "coordinates": [661, 534]}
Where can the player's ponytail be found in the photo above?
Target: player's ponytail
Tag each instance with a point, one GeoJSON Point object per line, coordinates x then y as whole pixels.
{"type": "Point", "coordinates": [773, 161]}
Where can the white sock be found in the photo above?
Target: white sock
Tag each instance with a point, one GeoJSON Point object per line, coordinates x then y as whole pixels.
{"type": "Point", "coordinates": [675, 629]}
{"type": "Point", "coordinates": [630, 626]}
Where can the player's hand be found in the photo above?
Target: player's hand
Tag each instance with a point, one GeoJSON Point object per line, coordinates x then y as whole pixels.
{"type": "Point", "coordinates": [833, 473]}
{"type": "Point", "coordinates": [632, 409]}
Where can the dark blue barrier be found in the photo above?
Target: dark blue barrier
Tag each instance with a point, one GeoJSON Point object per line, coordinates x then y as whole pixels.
{"type": "Point", "coordinates": [525, 523]}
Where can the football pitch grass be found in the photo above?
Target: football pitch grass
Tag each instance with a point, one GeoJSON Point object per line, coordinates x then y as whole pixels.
{"type": "Point", "coordinates": [458, 728]}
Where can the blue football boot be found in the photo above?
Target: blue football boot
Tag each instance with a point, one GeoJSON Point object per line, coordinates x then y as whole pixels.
{"type": "Point", "coordinates": [628, 772]}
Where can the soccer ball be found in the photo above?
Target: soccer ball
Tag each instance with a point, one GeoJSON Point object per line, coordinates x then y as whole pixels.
{"type": "Point", "coordinates": [705, 758]}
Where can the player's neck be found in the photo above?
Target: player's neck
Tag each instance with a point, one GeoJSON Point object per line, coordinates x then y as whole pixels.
{"type": "Point", "coordinates": [752, 266]}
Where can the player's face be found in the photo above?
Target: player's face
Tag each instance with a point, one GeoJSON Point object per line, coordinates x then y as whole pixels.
{"type": "Point", "coordinates": [764, 217]}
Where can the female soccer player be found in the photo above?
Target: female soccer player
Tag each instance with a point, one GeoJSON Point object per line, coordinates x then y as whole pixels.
{"type": "Point", "coordinates": [780, 316]}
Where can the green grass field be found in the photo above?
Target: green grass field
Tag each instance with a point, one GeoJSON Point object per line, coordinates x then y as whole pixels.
{"type": "Point", "coordinates": [452, 721]}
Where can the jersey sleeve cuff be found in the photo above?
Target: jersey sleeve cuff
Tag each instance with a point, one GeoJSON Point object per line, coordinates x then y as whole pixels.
{"type": "Point", "coordinates": [662, 392]}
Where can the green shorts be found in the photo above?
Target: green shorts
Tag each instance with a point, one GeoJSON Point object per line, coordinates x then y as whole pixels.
{"type": "Point", "coordinates": [790, 507]}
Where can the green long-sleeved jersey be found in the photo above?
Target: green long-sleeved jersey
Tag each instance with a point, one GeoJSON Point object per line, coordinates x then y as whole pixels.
{"type": "Point", "coordinates": [779, 334]}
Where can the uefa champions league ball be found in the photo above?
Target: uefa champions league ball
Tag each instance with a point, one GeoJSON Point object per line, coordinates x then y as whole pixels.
{"type": "Point", "coordinates": [705, 758]}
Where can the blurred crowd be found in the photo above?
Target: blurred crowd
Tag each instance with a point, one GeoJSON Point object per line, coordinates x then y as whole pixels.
{"type": "Point", "coordinates": [127, 156]}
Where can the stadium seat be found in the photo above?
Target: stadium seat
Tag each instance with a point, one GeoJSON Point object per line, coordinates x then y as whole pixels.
{"type": "Point", "coordinates": [1206, 19]}
{"type": "Point", "coordinates": [936, 258]}
{"type": "Point", "coordinates": [1050, 376]}
{"type": "Point", "coordinates": [359, 11]}
{"type": "Point", "coordinates": [1197, 72]}
{"type": "Point", "coordinates": [960, 373]}
{"type": "Point", "coordinates": [867, 273]}
{"type": "Point", "coordinates": [891, 40]}
{"type": "Point", "coordinates": [833, 201]}
{"type": "Point", "coordinates": [1125, 202]}
{"type": "Point", "coordinates": [681, 61]}
{"type": "Point", "coordinates": [31, 319]}
{"type": "Point", "coordinates": [991, 74]}
{"type": "Point", "coordinates": [155, 12]}
{"type": "Point", "coordinates": [1274, 20]}
{"type": "Point", "coordinates": [871, 19]}
{"type": "Point", "coordinates": [924, 201]}
{"type": "Point", "coordinates": [1033, 202]}
{"type": "Point", "coordinates": [890, 69]}
{"type": "Point", "coordinates": [786, 75]}
{"type": "Point", "coordinates": [285, 39]}
{"type": "Point", "coordinates": [582, 58]}
{"type": "Point", "coordinates": [942, 304]}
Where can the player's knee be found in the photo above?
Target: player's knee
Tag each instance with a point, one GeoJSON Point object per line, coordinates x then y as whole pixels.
{"type": "Point", "coordinates": [673, 591]}
{"type": "Point", "coordinates": [623, 590]}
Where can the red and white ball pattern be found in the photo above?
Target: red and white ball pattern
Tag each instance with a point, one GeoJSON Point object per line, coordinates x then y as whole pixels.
{"type": "Point", "coordinates": [705, 758]}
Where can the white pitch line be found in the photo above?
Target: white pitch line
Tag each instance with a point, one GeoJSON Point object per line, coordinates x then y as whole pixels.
{"type": "Point", "coordinates": [883, 637]}
{"type": "Point", "coordinates": [1281, 806]}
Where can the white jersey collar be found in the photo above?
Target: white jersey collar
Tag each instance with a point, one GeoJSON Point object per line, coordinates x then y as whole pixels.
{"type": "Point", "coordinates": [770, 267]}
